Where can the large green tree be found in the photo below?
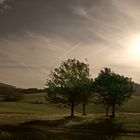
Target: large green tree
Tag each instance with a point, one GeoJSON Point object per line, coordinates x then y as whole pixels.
{"type": "Point", "coordinates": [113, 89]}
{"type": "Point", "coordinates": [86, 94]}
{"type": "Point", "coordinates": [67, 83]}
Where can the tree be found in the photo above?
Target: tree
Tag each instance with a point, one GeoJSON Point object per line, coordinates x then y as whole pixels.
{"type": "Point", "coordinates": [113, 89]}
{"type": "Point", "coordinates": [86, 94]}
{"type": "Point", "coordinates": [67, 83]}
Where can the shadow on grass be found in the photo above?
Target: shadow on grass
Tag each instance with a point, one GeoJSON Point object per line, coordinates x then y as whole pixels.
{"type": "Point", "coordinates": [77, 128]}
{"type": "Point", "coordinates": [101, 125]}
{"type": "Point", "coordinates": [55, 123]}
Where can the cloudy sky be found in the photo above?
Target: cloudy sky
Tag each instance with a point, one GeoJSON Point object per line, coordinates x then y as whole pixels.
{"type": "Point", "coordinates": [36, 35]}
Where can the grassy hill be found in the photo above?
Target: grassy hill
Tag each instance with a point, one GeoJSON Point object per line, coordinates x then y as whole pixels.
{"type": "Point", "coordinates": [34, 116]}
{"type": "Point", "coordinates": [37, 104]}
{"type": "Point", "coordinates": [34, 107]}
{"type": "Point", "coordinates": [3, 85]}
{"type": "Point", "coordinates": [10, 87]}
{"type": "Point", "coordinates": [137, 88]}
{"type": "Point", "coordinates": [5, 88]}
{"type": "Point", "coordinates": [132, 106]}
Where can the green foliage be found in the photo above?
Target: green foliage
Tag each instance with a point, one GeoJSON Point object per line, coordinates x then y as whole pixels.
{"type": "Point", "coordinates": [87, 91]}
{"type": "Point", "coordinates": [113, 89]}
{"type": "Point", "coordinates": [68, 83]}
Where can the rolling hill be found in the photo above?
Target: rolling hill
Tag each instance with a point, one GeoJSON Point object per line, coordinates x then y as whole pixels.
{"type": "Point", "coordinates": [3, 85]}
{"type": "Point", "coordinates": [137, 88]}
{"type": "Point", "coordinates": [10, 87]}
{"type": "Point", "coordinates": [7, 88]}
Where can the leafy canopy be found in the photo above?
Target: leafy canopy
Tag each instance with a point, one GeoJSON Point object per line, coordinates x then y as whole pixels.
{"type": "Point", "coordinates": [68, 82]}
{"type": "Point", "coordinates": [113, 88]}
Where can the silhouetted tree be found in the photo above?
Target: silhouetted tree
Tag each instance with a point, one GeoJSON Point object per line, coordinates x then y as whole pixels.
{"type": "Point", "coordinates": [68, 83]}
{"type": "Point", "coordinates": [86, 94]}
{"type": "Point", "coordinates": [113, 89]}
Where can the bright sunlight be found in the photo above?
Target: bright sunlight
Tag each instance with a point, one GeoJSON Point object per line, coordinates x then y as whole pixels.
{"type": "Point", "coordinates": [135, 47]}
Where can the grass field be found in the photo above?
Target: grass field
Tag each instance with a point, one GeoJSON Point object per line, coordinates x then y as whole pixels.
{"type": "Point", "coordinates": [34, 106]}
{"type": "Point", "coordinates": [78, 128]}
{"type": "Point", "coordinates": [132, 106]}
{"type": "Point", "coordinates": [37, 104]}
{"type": "Point", "coordinates": [46, 119]}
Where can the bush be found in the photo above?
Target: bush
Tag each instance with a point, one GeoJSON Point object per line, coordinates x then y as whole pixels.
{"type": "Point", "coordinates": [13, 96]}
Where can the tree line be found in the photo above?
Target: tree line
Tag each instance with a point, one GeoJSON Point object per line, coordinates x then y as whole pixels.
{"type": "Point", "coordinates": [71, 84]}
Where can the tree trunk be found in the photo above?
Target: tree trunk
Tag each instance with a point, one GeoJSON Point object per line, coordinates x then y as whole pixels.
{"type": "Point", "coordinates": [106, 111]}
{"type": "Point", "coordinates": [84, 108]}
{"type": "Point", "coordinates": [72, 109]}
{"type": "Point", "coordinates": [113, 110]}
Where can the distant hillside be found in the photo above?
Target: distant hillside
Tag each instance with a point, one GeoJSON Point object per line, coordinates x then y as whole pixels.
{"type": "Point", "coordinates": [35, 90]}
{"type": "Point", "coordinates": [137, 88]}
{"type": "Point", "coordinates": [4, 88]}
{"type": "Point", "coordinates": [3, 85]}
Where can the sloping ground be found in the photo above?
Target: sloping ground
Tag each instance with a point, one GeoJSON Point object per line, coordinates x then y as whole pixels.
{"type": "Point", "coordinates": [137, 88]}
{"type": "Point", "coordinates": [132, 106]}
{"type": "Point", "coordinates": [78, 128]}
{"type": "Point", "coordinates": [31, 108]}
{"type": "Point", "coordinates": [46, 121]}
{"type": "Point", "coordinates": [6, 89]}
{"type": "Point", "coordinates": [36, 104]}
{"type": "Point", "coordinates": [14, 118]}
{"type": "Point", "coordinates": [6, 85]}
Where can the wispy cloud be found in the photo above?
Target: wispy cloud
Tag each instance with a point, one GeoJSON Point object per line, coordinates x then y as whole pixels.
{"type": "Point", "coordinates": [111, 24]}
{"type": "Point", "coordinates": [98, 30]}
{"type": "Point", "coordinates": [36, 54]}
{"type": "Point", "coordinates": [2, 1]}
{"type": "Point", "coordinates": [4, 5]}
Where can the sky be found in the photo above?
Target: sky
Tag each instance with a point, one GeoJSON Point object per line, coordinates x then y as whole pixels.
{"type": "Point", "coordinates": [36, 35]}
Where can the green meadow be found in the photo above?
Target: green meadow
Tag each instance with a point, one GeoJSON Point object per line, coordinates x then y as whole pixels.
{"type": "Point", "coordinates": [37, 104]}
{"type": "Point", "coordinates": [46, 120]}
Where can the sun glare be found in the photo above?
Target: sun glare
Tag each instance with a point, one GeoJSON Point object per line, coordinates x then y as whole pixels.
{"type": "Point", "coordinates": [135, 48]}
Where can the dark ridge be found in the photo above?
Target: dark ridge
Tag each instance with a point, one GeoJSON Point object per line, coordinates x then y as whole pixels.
{"type": "Point", "coordinates": [6, 85]}
{"type": "Point", "coordinates": [137, 88]}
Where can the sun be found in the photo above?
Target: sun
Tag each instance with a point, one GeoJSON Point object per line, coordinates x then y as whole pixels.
{"type": "Point", "coordinates": [135, 47]}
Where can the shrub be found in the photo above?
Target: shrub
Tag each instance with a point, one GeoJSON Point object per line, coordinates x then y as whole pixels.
{"type": "Point", "coordinates": [13, 96]}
